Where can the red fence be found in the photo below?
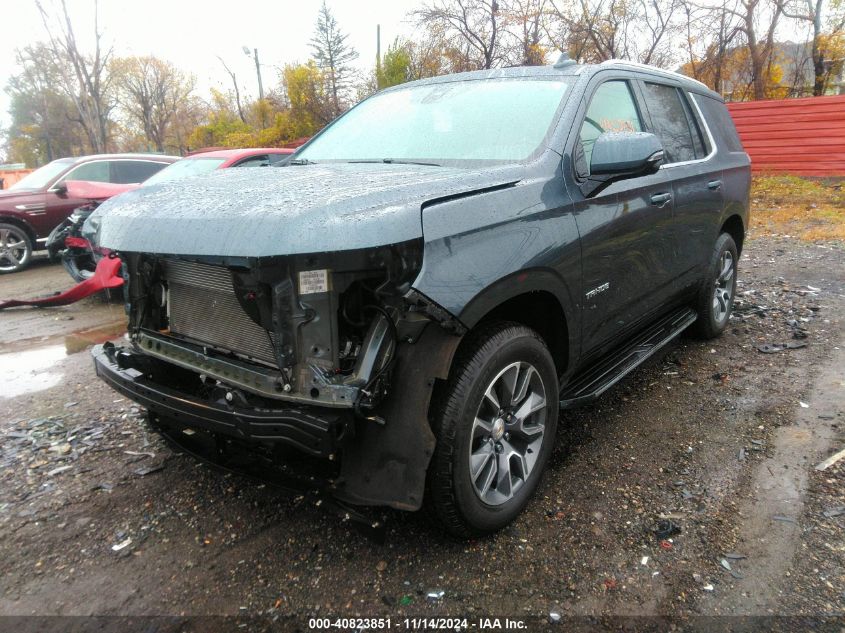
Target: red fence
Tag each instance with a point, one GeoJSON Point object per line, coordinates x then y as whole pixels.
{"type": "Point", "coordinates": [805, 137]}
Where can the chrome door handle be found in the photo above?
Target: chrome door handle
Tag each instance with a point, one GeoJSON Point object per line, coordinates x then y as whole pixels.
{"type": "Point", "coordinates": [714, 184]}
{"type": "Point", "coordinates": [660, 199]}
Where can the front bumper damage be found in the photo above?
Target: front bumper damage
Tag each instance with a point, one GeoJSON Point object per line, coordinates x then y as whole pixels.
{"type": "Point", "coordinates": [310, 430]}
{"type": "Point", "coordinates": [382, 457]}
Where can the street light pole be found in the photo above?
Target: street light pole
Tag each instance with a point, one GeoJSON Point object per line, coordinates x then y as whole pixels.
{"type": "Point", "coordinates": [254, 55]}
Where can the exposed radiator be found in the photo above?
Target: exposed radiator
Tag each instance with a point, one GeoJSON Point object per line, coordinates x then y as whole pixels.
{"type": "Point", "coordinates": [203, 307]}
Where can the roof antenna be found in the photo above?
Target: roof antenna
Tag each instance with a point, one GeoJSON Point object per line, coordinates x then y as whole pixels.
{"type": "Point", "coordinates": [563, 61]}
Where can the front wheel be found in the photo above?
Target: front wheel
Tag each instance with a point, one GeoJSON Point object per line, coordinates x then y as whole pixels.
{"type": "Point", "coordinates": [715, 300]}
{"type": "Point", "coordinates": [495, 424]}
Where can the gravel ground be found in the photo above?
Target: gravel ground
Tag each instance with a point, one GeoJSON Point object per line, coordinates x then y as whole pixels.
{"type": "Point", "coordinates": [98, 516]}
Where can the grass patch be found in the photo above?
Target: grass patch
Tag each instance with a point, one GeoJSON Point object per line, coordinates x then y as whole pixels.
{"type": "Point", "coordinates": [811, 210]}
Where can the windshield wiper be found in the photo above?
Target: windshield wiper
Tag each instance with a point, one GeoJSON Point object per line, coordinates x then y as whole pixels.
{"type": "Point", "coordinates": [394, 161]}
{"type": "Point", "coordinates": [300, 161]}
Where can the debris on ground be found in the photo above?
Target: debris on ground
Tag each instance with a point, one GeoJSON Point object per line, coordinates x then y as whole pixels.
{"type": "Point", "coordinates": [666, 528]}
{"type": "Point", "coordinates": [773, 348]}
{"type": "Point", "coordinates": [830, 461]}
{"type": "Point", "coordinates": [119, 546]}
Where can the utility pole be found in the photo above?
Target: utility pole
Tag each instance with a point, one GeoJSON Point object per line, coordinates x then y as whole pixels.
{"type": "Point", "coordinates": [254, 55]}
{"type": "Point", "coordinates": [378, 55]}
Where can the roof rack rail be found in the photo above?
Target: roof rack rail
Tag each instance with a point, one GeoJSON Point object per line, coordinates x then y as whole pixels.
{"type": "Point", "coordinates": [626, 62]}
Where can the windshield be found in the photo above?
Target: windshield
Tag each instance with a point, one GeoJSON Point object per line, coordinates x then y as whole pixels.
{"type": "Point", "coordinates": [43, 175]}
{"type": "Point", "coordinates": [184, 168]}
{"type": "Point", "coordinates": [493, 120]}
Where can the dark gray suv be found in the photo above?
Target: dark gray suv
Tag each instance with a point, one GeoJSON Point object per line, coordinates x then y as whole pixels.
{"type": "Point", "coordinates": [420, 291]}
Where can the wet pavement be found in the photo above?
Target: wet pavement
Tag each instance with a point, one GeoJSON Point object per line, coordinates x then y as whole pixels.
{"type": "Point", "coordinates": [99, 516]}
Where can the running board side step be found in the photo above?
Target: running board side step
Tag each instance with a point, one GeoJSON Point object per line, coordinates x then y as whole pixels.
{"type": "Point", "coordinates": [614, 367]}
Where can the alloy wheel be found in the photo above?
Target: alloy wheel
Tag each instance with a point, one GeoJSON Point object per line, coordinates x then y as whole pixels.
{"type": "Point", "coordinates": [14, 250]}
{"type": "Point", "coordinates": [507, 433]}
{"type": "Point", "coordinates": [724, 288]}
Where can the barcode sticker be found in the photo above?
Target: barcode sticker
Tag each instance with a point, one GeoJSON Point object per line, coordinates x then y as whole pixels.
{"type": "Point", "coordinates": [312, 281]}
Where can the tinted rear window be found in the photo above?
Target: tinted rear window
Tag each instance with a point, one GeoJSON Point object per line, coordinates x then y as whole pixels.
{"type": "Point", "coordinates": [126, 172]}
{"type": "Point", "coordinates": [720, 122]}
{"type": "Point", "coordinates": [672, 124]}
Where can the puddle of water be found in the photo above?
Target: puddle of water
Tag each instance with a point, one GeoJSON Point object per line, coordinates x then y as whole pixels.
{"type": "Point", "coordinates": [30, 371]}
{"type": "Point", "coordinates": [78, 341]}
{"type": "Point", "coordinates": [35, 369]}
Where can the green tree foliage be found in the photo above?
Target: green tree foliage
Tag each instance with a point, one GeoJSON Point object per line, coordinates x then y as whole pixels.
{"type": "Point", "coordinates": [395, 66]}
{"type": "Point", "coordinates": [223, 124]}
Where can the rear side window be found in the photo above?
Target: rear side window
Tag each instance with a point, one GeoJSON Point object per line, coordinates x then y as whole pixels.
{"type": "Point", "coordinates": [673, 123]}
{"type": "Point", "coordinates": [97, 171]}
{"type": "Point", "coordinates": [720, 122]}
{"type": "Point", "coordinates": [253, 161]}
{"type": "Point", "coordinates": [124, 172]}
{"type": "Point", "coordinates": [612, 109]}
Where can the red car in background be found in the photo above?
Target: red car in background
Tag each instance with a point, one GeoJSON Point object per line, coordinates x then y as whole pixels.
{"type": "Point", "coordinates": [202, 162]}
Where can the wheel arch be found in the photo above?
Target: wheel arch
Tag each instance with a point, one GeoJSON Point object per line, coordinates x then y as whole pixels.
{"type": "Point", "coordinates": [734, 227]}
{"type": "Point", "coordinates": [22, 224]}
{"type": "Point", "coordinates": [536, 299]}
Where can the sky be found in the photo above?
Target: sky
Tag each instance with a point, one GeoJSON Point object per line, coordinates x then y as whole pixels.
{"type": "Point", "coordinates": [193, 33]}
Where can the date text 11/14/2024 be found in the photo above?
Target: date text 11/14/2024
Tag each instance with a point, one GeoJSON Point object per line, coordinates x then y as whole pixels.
{"type": "Point", "coordinates": [417, 624]}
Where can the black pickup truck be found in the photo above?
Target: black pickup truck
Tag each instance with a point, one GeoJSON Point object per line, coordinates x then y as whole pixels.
{"type": "Point", "coordinates": [423, 288]}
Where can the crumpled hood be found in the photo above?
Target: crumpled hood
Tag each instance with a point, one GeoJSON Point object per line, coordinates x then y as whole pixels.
{"type": "Point", "coordinates": [260, 212]}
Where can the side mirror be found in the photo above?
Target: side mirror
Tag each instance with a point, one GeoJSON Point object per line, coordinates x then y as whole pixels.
{"type": "Point", "coordinates": [60, 189]}
{"type": "Point", "coordinates": [619, 156]}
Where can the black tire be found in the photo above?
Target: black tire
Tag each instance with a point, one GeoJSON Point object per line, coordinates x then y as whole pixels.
{"type": "Point", "coordinates": [15, 248]}
{"type": "Point", "coordinates": [54, 247]}
{"type": "Point", "coordinates": [451, 493]}
{"type": "Point", "coordinates": [715, 300]}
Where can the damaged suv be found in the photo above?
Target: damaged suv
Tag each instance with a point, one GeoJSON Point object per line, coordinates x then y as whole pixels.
{"type": "Point", "coordinates": [417, 294]}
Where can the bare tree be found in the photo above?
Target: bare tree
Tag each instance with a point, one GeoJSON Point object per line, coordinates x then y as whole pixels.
{"type": "Point", "coordinates": [710, 40]}
{"type": "Point", "coordinates": [475, 23]}
{"type": "Point", "coordinates": [151, 92]}
{"type": "Point", "coordinates": [598, 30]}
{"type": "Point", "coordinates": [237, 90]}
{"type": "Point", "coordinates": [755, 16]}
{"type": "Point", "coordinates": [84, 78]}
{"type": "Point", "coordinates": [810, 11]}
{"type": "Point", "coordinates": [524, 22]}
{"type": "Point", "coordinates": [333, 55]}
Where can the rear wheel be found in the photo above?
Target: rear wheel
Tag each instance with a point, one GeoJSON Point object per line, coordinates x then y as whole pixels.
{"type": "Point", "coordinates": [15, 248]}
{"type": "Point", "coordinates": [495, 423]}
{"type": "Point", "coordinates": [716, 296]}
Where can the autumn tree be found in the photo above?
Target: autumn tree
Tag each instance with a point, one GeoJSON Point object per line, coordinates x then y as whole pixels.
{"type": "Point", "coordinates": [638, 30]}
{"type": "Point", "coordinates": [42, 126]}
{"type": "Point", "coordinates": [825, 32]}
{"type": "Point", "coordinates": [472, 25]}
{"type": "Point", "coordinates": [758, 22]}
{"type": "Point", "coordinates": [333, 55]}
{"type": "Point", "coordinates": [525, 23]}
{"type": "Point", "coordinates": [395, 66]}
{"type": "Point", "coordinates": [222, 123]}
{"type": "Point", "coordinates": [151, 92]}
{"type": "Point", "coordinates": [83, 77]}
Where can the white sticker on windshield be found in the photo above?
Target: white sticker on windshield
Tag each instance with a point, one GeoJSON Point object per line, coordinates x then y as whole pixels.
{"type": "Point", "coordinates": [312, 281]}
